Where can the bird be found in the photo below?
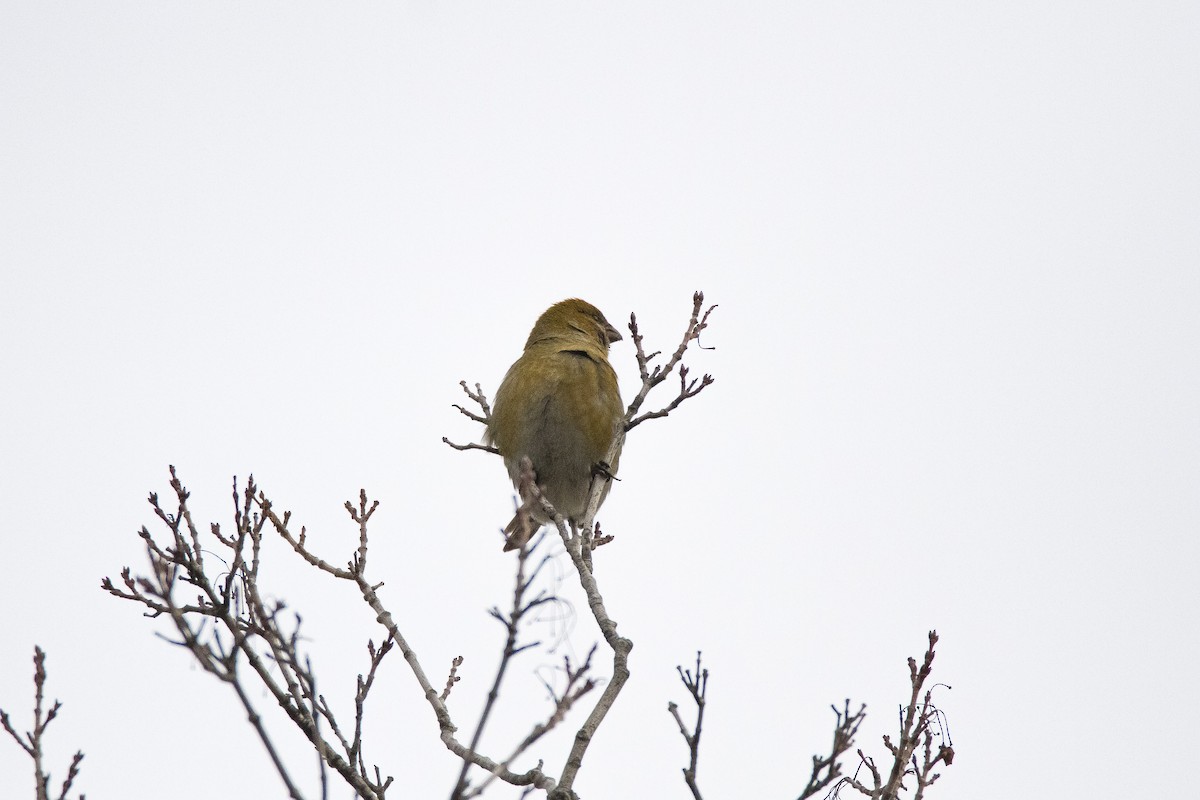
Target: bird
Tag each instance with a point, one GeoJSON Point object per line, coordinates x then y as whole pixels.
{"type": "Point", "coordinates": [560, 406]}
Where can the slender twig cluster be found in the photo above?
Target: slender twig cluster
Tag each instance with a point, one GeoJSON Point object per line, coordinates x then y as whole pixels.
{"type": "Point", "coordinates": [230, 627]}
{"type": "Point", "coordinates": [824, 768]}
{"type": "Point", "coordinates": [243, 639]}
{"type": "Point", "coordinates": [486, 414]}
{"type": "Point", "coordinates": [31, 742]}
{"type": "Point", "coordinates": [920, 723]}
{"type": "Point", "coordinates": [653, 377]}
{"type": "Point", "coordinates": [511, 621]}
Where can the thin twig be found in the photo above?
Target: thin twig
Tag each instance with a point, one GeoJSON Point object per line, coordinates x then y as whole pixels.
{"type": "Point", "coordinates": [827, 768]}
{"type": "Point", "coordinates": [452, 678]}
{"type": "Point", "coordinates": [32, 742]}
{"type": "Point", "coordinates": [653, 377]}
{"type": "Point", "coordinates": [577, 686]}
{"type": "Point", "coordinates": [481, 400]}
{"type": "Point", "coordinates": [697, 686]}
{"type": "Point", "coordinates": [512, 625]}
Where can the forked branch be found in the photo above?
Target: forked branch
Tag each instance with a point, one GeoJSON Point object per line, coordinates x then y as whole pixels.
{"type": "Point", "coordinates": [920, 723]}
{"type": "Point", "coordinates": [32, 741]}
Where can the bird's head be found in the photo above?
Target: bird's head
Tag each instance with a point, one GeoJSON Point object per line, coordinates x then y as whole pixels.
{"type": "Point", "coordinates": [574, 319]}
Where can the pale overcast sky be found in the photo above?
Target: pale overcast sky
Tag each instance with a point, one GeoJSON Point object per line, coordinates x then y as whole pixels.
{"type": "Point", "coordinates": [955, 248]}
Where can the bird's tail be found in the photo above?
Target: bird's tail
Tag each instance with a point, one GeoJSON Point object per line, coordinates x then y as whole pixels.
{"type": "Point", "coordinates": [520, 530]}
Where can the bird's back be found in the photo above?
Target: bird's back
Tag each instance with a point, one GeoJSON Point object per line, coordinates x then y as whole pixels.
{"type": "Point", "coordinates": [559, 405]}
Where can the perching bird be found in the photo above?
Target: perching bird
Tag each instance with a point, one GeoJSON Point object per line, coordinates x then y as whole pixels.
{"type": "Point", "coordinates": [560, 406]}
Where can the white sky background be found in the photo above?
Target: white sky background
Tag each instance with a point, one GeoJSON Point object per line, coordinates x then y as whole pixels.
{"type": "Point", "coordinates": [955, 251]}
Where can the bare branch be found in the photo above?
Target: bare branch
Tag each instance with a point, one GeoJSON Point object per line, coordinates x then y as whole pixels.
{"type": "Point", "coordinates": [452, 678]}
{"type": "Point", "coordinates": [653, 377]}
{"type": "Point", "coordinates": [686, 389]}
{"type": "Point", "coordinates": [577, 544]}
{"type": "Point", "coordinates": [32, 741]}
{"type": "Point", "coordinates": [512, 624]}
{"type": "Point", "coordinates": [232, 626]}
{"type": "Point", "coordinates": [478, 397]}
{"type": "Point", "coordinates": [483, 418]}
{"type": "Point", "coordinates": [356, 573]}
{"type": "Point", "coordinates": [920, 723]}
{"type": "Point", "coordinates": [825, 769]}
{"type": "Point", "coordinates": [697, 686]}
{"type": "Point", "coordinates": [577, 686]}
{"type": "Point", "coordinates": [487, 448]}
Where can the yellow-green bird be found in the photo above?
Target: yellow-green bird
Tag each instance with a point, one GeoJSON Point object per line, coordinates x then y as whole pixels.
{"type": "Point", "coordinates": [560, 406]}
